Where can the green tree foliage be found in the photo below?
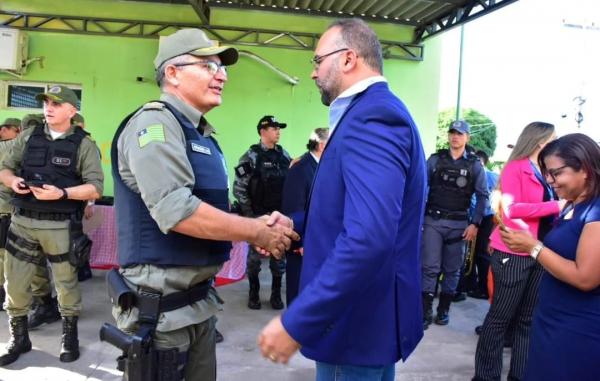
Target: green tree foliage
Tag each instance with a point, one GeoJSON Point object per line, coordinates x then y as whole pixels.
{"type": "Point", "coordinates": [483, 130]}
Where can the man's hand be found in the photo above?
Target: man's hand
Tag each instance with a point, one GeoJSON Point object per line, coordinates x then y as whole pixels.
{"type": "Point", "coordinates": [277, 221]}
{"type": "Point", "coordinates": [518, 241]}
{"type": "Point", "coordinates": [278, 218]}
{"type": "Point", "coordinates": [275, 343]}
{"type": "Point", "coordinates": [47, 192]}
{"type": "Point", "coordinates": [470, 233]}
{"type": "Point", "coordinates": [18, 186]}
{"type": "Point", "coordinates": [88, 212]}
{"type": "Point", "coordinates": [274, 240]}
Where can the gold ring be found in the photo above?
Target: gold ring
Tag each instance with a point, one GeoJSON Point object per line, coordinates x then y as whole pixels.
{"type": "Point", "coordinates": [272, 357]}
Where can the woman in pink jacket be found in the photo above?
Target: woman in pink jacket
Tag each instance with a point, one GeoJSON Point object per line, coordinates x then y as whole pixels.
{"type": "Point", "coordinates": [528, 202]}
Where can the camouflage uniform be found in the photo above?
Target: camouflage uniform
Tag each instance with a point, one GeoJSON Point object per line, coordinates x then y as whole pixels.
{"type": "Point", "coordinates": [53, 236]}
{"type": "Point", "coordinates": [244, 173]}
{"type": "Point", "coordinates": [5, 210]}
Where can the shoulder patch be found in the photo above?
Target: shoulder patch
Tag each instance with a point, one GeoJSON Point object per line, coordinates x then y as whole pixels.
{"type": "Point", "coordinates": [153, 133]}
{"type": "Point", "coordinates": [153, 106]}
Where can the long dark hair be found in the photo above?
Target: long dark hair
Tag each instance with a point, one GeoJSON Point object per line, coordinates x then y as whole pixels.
{"type": "Point", "coordinates": [579, 152]}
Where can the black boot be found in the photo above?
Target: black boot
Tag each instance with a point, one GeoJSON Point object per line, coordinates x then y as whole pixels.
{"type": "Point", "coordinates": [276, 301]}
{"type": "Point", "coordinates": [427, 309]}
{"type": "Point", "coordinates": [254, 294]}
{"type": "Point", "coordinates": [218, 336]}
{"type": "Point", "coordinates": [2, 297]}
{"type": "Point", "coordinates": [84, 272]}
{"type": "Point", "coordinates": [69, 350]}
{"type": "Point", "coordinates": [442, 317]}
{"type": "Point", "coordinates": [19, 340]}
{"type": "Point", "coordinates": [45, 311]}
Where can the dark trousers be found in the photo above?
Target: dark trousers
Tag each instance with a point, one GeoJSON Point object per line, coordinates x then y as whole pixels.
{"type": "Point", "coordinates": [516, 281]}
{"type": "Point", "coordinates": [292, 276]}
{"type": "Point", "coordinates": [478, 278]}
{"type": "Point", "coordinates": [277, 266]}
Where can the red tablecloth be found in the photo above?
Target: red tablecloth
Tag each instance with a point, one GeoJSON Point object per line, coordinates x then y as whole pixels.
{"type": "Point", "coordinates": [101, 229]}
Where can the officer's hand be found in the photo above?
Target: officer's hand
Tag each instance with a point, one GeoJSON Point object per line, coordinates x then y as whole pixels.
{"type": "Point", "coordinates": [47, 192]}
{"type": "Point", "coordinates": [18, 186]}
{"type": "Point", "coordinates": [274, 240]}
{"type": "Point", "coordinates": [470, 233]}
{"type": "Point", "coordinates": [88, 212]}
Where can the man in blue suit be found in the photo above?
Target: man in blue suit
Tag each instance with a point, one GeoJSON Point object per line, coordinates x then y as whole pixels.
{"type": "Point", "coordinates": [358, 311]}
{"type": "Point", "coordinates": [296, 190]}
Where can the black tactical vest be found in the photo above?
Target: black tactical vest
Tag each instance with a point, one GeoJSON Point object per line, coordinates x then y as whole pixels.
{"type": "Point", "coordinates": [266, 183]}
{"type": "Point", "coordinates": [53, 162]}
{"type": "Point", "coordinates": [140, 241]}
{"type": "Point", "coordinates": [452, 184]}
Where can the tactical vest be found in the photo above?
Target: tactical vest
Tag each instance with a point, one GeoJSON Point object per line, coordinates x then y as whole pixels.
{"type": "Point", "coordinates": [55, 163]}
{"type": "Point", "coordinates": [452, 184]}
{"type": "Point", "coordinates": [266, 183]}
{"type": "Point", "coordinates": [140, 241]}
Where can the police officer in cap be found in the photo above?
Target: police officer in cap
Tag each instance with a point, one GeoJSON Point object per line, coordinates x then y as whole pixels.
{"type": "Point", "coordinates": [171, 200]}
{"type": "Point", "coordinates": [9, 130]}
{"type": "Point", "coordinates": [258, 187]}
{"type": "Point", "coordinates": [454, 175]}
{"type": "Point", "coordinates": [52, 169]}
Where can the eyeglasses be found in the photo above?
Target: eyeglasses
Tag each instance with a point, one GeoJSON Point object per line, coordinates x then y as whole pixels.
{"type": "Point", "coordinates": [316, 60]}
{"type": "Point", "coordinates": [553, 172]}
{"type": "Point", "coordinates": [211, 66]}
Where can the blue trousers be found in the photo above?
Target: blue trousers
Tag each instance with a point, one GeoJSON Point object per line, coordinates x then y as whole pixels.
{"type": "Point", "coordinates": [333, 372]}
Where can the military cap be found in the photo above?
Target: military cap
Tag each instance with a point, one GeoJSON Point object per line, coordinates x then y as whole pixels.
{"type": "Point", "coordinates": [60, 94]}
{"type": "Point", "coordinates": [11, 122]}
{"type": "Point", "coordinates": [194, 42]}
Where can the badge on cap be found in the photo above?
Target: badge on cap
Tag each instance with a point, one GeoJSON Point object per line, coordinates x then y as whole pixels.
{"type": "Point", "coordinates": [54, 90]}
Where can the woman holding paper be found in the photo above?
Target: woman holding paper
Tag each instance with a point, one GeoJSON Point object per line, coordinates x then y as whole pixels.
{"type": "Point", "coordinates": [565, 335]}
{"type": "Point", "coordinates": [528, 203]}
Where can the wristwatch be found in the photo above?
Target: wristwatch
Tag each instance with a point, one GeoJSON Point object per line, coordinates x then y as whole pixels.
{"type": "Point", "coordinates": [536, 250]}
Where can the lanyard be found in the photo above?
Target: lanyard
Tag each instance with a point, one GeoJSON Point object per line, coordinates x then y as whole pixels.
{"type": "Point", "coordinates": [542, 181]}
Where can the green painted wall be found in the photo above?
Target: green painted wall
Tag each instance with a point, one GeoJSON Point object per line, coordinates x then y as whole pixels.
{"type": "Point", "coordinates": [107, 67]}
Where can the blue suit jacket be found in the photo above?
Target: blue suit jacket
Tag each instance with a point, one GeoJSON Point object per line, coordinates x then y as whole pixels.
{"type": "Point", "coordinates": [360, 298]}
{"type": "Point", "coordinates": [296, 190]}
{"type": "Point", "coordinates": [297, 185]}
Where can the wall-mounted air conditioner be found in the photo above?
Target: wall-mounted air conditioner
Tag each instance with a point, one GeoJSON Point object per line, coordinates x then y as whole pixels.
{"type": "Point", "coordinates": [13, 48]}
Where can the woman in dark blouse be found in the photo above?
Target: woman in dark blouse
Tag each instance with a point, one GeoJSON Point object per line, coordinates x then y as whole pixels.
{"type": "Point", "coordinates": [565, 336]}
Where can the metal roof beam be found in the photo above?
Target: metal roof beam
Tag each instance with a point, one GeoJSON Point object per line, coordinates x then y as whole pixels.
{"type": "Point", "coordinates": [456, 16]}
{"type": "Point", "coordinates": [202, 10]}
{"type": "Point", "coordinates": [151, 29]}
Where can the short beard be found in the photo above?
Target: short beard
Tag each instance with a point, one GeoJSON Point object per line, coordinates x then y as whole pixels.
{"type": "Point", "coordinates": [330, 87]}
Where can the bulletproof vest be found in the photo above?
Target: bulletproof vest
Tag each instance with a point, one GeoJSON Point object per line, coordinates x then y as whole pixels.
{"type": "Point", "coordinates": [55, 163]}
{"type": "Point", "coordinates": [140, 241]}
{"type": "Point", "coordinates": [266, 183]}
{"type": "Point", "coordinates": [452, 183]}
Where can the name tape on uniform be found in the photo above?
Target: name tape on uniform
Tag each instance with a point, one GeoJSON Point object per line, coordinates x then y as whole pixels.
{"type": "Point", "coordinates": [201, 149]}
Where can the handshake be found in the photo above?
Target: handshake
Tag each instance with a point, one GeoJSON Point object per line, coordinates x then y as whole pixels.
{"type": "Point", "coordinates": [274, 235]}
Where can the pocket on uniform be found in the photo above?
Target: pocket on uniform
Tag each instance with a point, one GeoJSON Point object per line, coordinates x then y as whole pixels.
{"type": "Point", "coordinates": [36, 156]}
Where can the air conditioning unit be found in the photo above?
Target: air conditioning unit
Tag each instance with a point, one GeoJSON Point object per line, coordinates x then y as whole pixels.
{"type": "Point", "coordinates": [13, 45]}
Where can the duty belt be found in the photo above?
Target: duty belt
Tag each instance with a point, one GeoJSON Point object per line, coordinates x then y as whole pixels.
{"type": "Point", "coordinates": [51, 216]}
{"type": "Point", "coordinates": [147, 299]}
{"type": "Point", "coordinates": [440, 214]}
